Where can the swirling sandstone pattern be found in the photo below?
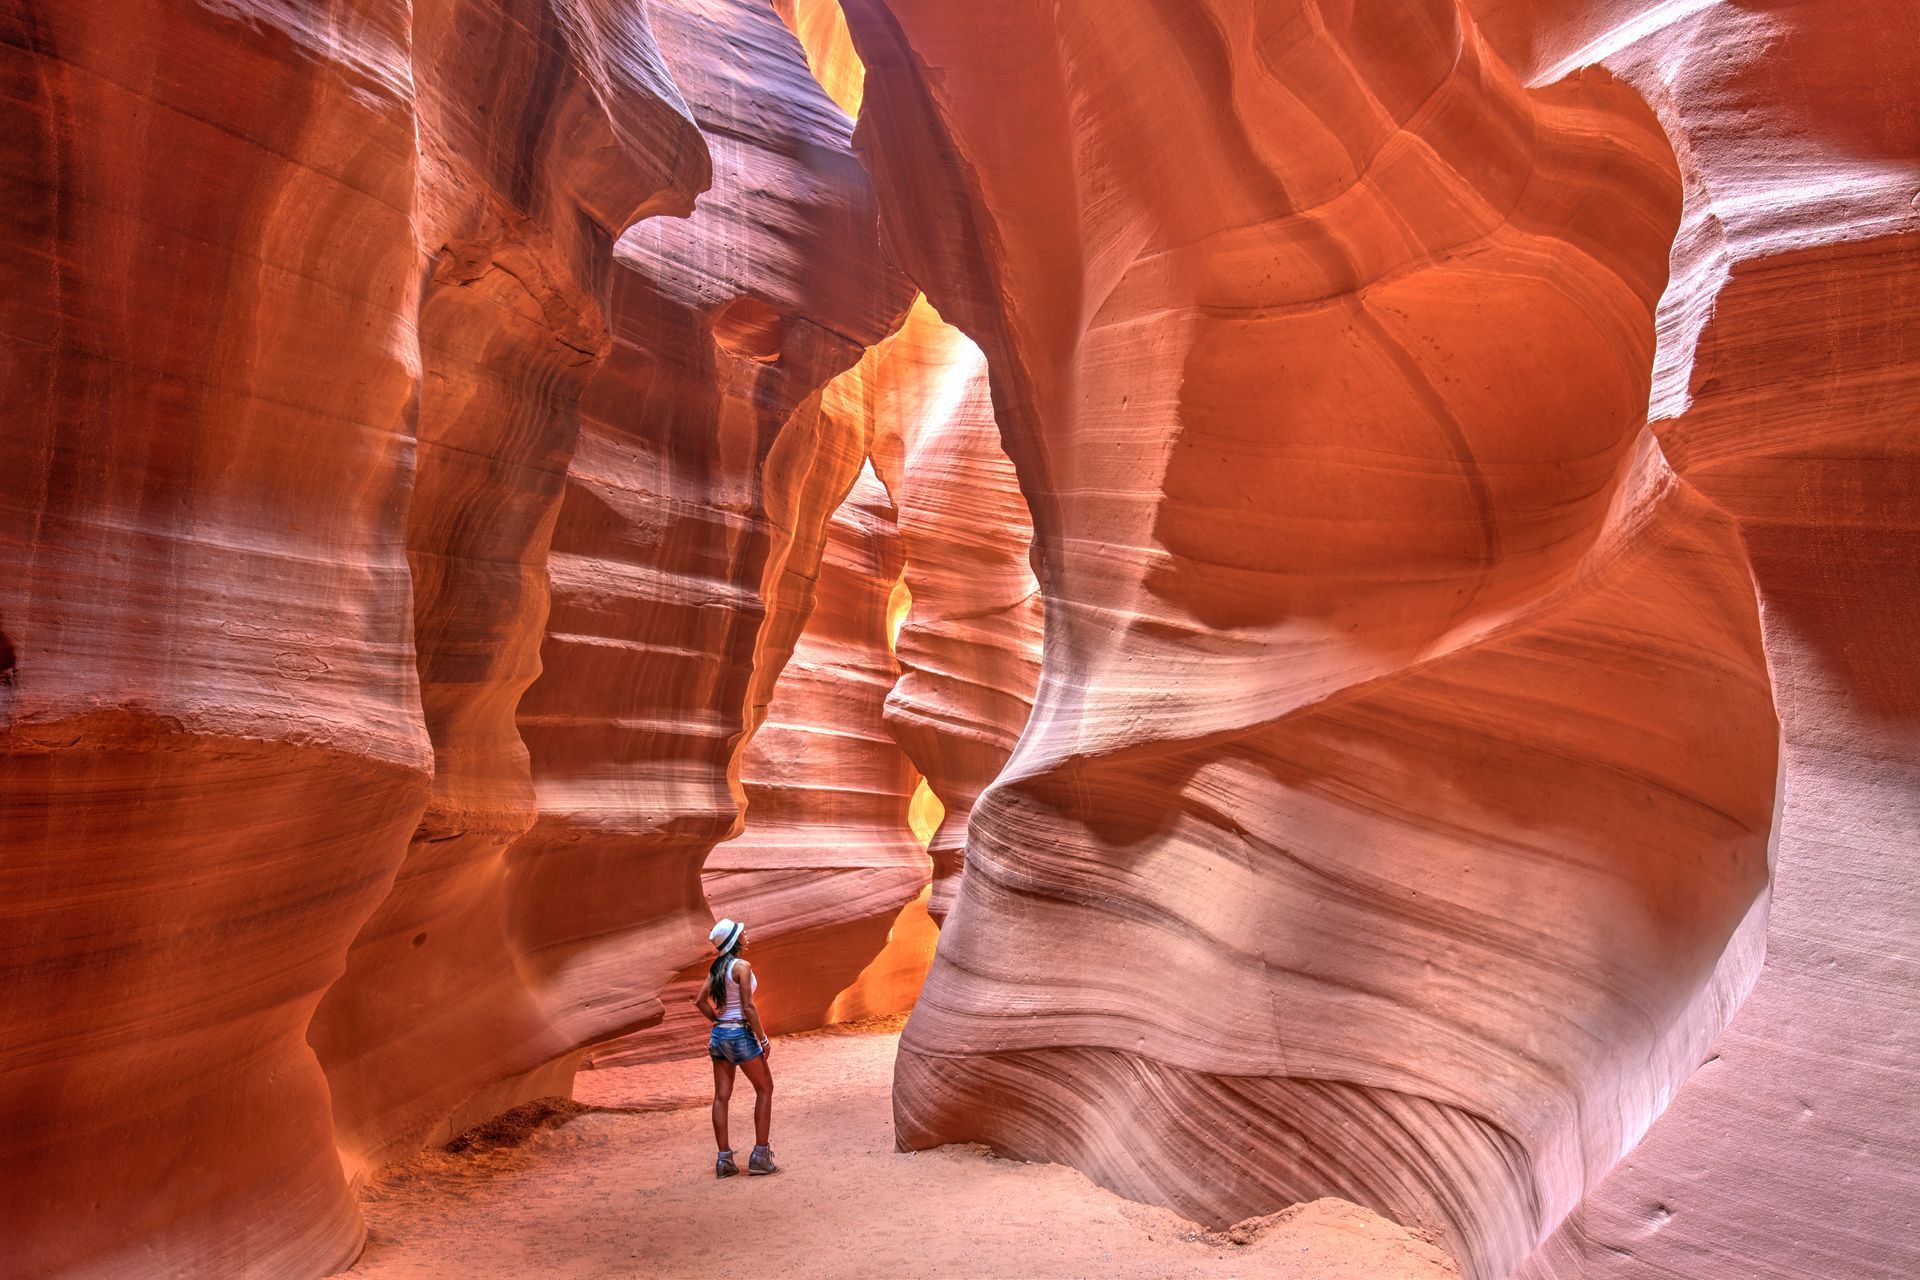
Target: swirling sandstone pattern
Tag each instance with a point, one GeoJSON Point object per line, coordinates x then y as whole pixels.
{"type": "Point", "coordinates": [259, 255]}
{"type": "Point", "coordinates": [436, 1008]}
{"type": "Point", "coordinates": [1392, 822]}
{"type": "Point", "coordinates": [695, 514]}
{"type": "Point", "coordinates": [321, 591]}
{"type": "Point", "coordinates": [969, 647]}
{"type": "Point", "coordinates": [410, 510]}
{"type": "Point", "coordinates": [1787, 376]}
{"type": "Point", "coordinates": [828, 860]}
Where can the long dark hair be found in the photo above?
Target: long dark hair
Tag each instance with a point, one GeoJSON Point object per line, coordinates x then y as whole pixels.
{"type": "Point", "coordinates": [722, 966]}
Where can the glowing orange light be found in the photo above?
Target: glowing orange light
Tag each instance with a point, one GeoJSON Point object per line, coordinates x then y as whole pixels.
{"type": "Point", "coordinates": [925, 813]}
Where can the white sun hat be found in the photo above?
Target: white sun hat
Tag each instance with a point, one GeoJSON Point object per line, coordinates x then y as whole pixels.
{"type": "Point", "coordinates": [725, 934]}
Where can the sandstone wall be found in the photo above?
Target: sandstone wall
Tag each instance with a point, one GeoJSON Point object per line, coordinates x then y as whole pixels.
{"type": "Point", "coordinates": [1466, 454]}
{"type": "Point", "coordinates": [303, 306]}
{"type": "Point", "coordinates": [1393, 819]}
{"type": "Point", "coordinates": [695, 515]}
{"type": "Point", "coordinates": [267, 269]}
{"type": "Point", "coordinates": [530, 166]}
{"type": "Point", "coordinates": [969, 646]}
{"type": "Point", "coordinates": [828, 867]}
{"type": "Point", "coordinates": [1786, 378]}
{"type": "Point", "coordinates": [827, 861]}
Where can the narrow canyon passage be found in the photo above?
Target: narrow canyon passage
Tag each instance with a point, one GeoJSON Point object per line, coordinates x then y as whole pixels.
{"type": "Point", "coordinates": [1324, 592]}
{"type": "Point", "coordinates": [619, 1185]}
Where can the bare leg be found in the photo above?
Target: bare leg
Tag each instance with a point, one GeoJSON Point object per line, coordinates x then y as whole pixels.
{"type": "Point", "coordinates": [761, 1077]}
{"type": "Point", "coordinates": [722, 1093]}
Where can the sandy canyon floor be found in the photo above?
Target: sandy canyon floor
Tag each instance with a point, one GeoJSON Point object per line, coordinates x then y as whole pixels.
{"type": "Point", "coordinates": [620, 1183]}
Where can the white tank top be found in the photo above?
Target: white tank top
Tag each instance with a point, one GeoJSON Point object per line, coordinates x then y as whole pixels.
{"type": "Point", "coordinates": [731, 1011]}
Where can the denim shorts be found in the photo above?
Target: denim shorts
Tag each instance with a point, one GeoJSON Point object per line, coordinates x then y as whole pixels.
{"type": "Point", "coordinates": [733, 1044]}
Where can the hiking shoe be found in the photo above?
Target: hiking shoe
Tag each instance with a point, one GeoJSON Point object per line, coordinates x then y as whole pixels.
{"type": "Point", "coordinates": [762, 1161]}
{"type": "Point", "coordinates": [723, 1165]}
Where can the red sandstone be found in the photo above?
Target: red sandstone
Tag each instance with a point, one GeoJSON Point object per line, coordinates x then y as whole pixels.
{"type": "Point", "coordinates": [495, 481]}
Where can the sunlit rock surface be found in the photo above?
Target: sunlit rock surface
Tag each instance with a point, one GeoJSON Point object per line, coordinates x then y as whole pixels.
{"type": "Point", "coordinates": [436, 1010]}
{"type": "Point", "coordinates": [306, 324]}
{"type": "Point", "coordinates": [1438, 781]}
{"type": "Point", "coordinates": [1393, 819]}
{"type": "Point", "coordinates": [828, 860]}
{"type": "Point", "coordinates": [821, 26]}
{"type": "Point", "coordinates": [969, 645]}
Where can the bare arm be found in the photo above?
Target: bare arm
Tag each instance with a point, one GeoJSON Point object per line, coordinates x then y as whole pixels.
{"type": "Point", "coordinates": [704, 1003]}
{"type": "Point", "coordinates": [744, 973]}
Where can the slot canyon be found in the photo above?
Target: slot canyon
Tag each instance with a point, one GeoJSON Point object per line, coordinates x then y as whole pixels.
{"type": "Point", "coordinates": [1292, 624]}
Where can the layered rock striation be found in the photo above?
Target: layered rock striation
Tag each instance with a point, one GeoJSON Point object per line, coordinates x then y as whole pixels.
{"type": "Point", "coordinates": [969, 644]}
{"type": "Point", "coordinates": [273, 275]}
{"type": "Point", "coordinates": [1462, 450]}
{"type": "Point", "coordinates": [307, 306]}
{"type": "Point", "coordinates": [1785, 378]}
{"type": "Point", "coordinates": [694, 519]}
{"type": "Point", "coordinates": [1393, 819]}
{"type": "Point", "coordinates": [827, 861]}
{"type": "Point", "coordinates": [530, 165]}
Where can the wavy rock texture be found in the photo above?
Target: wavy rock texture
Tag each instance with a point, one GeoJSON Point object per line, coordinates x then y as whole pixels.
{"type": "Point", "coordinates": [1787, 376]}
{"type": "Point", "coordinates": [404, 552]}
{"type": "Point", "coordinates": [828, 860]}
{"type": "Point", "coordinates": [693, 522]}
{"type": "Point", "coordinates": [969, 647]}
{"type": "Point", "coordinates": [534, 157]}
{"type": "Point", "coordinates": [1393, 819]}
{"type": "Point", "coordinates": [272, 272]}
{"type": "Point", "coordinates": [316, 587]}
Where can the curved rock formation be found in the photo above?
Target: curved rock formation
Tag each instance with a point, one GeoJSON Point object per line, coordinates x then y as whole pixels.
{"type": "Point", "coordinates": [827, 861]}
{"type": "Point", "coordinates": [408, 532]}
{"type": "Point", "coordinates": [420, 208]}
{"type": "Point", "coordinates": [259, 253]}
{"type": "Point", "coordinates": [1392, 822]}
{"type": "Point", "coordinates": [696, 510]}
{"type": "Point", "coordinates": [890, 984]}
{"type": "Point", "coordinates": [969, 646]}
{"type": "Point", "coordinates": [435, 1010]}
{"type": "Point", "coordinates": [1787, 372]}
{"type": "Point", "coordinates": [821, 27]}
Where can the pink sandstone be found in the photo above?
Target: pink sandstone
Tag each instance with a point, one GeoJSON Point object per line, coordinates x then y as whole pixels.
{"type": "Point", "coordinates": [1393, 819]}
{"type": "Point", "coordinates": [472, 454]}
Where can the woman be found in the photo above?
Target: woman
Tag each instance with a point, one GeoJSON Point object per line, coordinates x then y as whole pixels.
{"type": "Point", "coordinates": [737, 1040]}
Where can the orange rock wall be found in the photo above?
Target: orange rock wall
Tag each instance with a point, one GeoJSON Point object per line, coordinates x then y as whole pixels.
{"type": "Point", "coordinates": [827, 870]}
{"type": "Point", "coordinates": [267, 269]}
{"type": "Point", "coordinates": [695, 516]}
{"type": "Point", "coordinates": [1464, 452]}
{"type": "Point", "coordinates": [1785, 387]}
{"type": "Point", "coordinates": [969, 646]}
{"type": "Point", "coordinates": [890, 984]}
{"type": "Point", "coordinates": [827, 861]}
{"type": "Point", "coordinates": [436, 1005]}
{"type": "Point", "coordinates": [1393, 819]}
{"type": "Point", "coordinates": [326, 824]}
{"type": "Point", "coordinates": [717, 449]}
